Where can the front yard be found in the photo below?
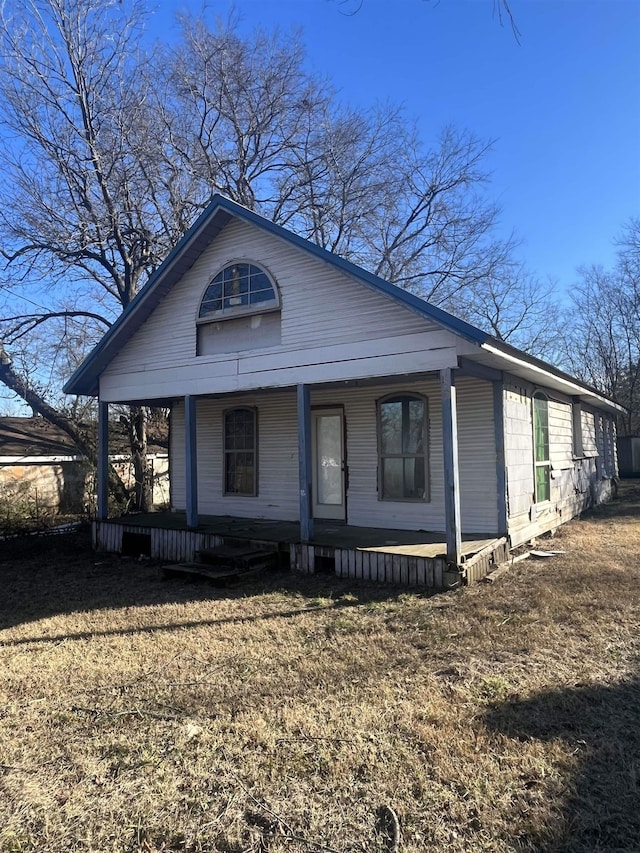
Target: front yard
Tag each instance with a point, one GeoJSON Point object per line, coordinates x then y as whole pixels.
{"type": "Point", "coordinates": [144, 714]}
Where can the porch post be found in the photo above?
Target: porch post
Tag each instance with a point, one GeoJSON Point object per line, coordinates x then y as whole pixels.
{"type": "Point", "coordinates": [103, 461]}
{"type": "Point", "coordinates": [304, 461]}
{"type": "Point", "coordinates": [191, 461]}
{"type": "Point", "coordinates": [451, 471]}
{"type": "Point", "coordinates": [501, 470]}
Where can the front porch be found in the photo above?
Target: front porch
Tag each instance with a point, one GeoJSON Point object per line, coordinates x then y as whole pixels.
{"type": "Point", "coordinates": [412, 558]}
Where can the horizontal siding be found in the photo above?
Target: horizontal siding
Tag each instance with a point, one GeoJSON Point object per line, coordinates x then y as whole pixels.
{"type": "Point", "coordinates": [518, 446]}
{"type": "Point", "coordinates": [363, 506]}
{"type": "Point", "coordinates": [576, 483]}
{"type": "Point", "coordinates": [320, 305]}
{"type": "Point", "coordinates": [277, 497]}
{"type": "Point", "coordinates": [278, 458]}
{"type": "Point", "coordinates": [560, 435]}
{"type": "Point", "coordinates": [477, 456]}
{"type": "Point", "coordinates": [589, 446]}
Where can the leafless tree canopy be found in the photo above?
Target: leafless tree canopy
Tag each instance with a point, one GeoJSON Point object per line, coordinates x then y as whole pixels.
{"type": "Point", "coordinates": [603, 344]}
{"type": "Point", "coordinates": [112, 147]}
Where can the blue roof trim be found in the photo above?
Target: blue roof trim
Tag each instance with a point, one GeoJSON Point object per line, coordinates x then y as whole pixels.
{"type": "Point", "coordinates": [442, 317]}
{"type": "Point", "coordinates": [86, 375]}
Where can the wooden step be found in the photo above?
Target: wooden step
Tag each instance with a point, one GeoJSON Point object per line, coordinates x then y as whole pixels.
{"type": "Point", "coordinates": [234, 556]}
{"type": "Point", "coordinates": [215, 574]}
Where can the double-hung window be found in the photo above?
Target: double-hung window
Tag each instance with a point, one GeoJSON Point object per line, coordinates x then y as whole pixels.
{"type": "Point", "coordinates": [240, 452]}
{"type": "Point", "coordinates": [402, 442]}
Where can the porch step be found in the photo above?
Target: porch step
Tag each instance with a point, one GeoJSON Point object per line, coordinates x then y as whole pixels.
{"type": "Point", "coordinates": [237, 556]}
{"type": "Point", "coordinates": [215, 574]}
{"type": "Point", "coordinates": [226, 564]}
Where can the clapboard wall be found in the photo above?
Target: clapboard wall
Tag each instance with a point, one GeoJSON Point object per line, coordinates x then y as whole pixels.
{"type": "Point", "coordinates": [278, 457]}
{"type": "Point", "coordinates": [581, 472]}
{"type": "Point", "coordinates": [331, 327]}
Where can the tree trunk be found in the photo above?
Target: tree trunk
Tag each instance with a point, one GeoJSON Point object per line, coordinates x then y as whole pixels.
{"type": "Point", "coordinates": [138, 438]}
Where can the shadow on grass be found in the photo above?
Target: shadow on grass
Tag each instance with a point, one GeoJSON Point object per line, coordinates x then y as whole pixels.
{"type": "Point", "coordinates": [626, 504]}
{"type": "Point", "coordinates": [601, 727]}
{"type": "Point", "coordinates": [42, 578]}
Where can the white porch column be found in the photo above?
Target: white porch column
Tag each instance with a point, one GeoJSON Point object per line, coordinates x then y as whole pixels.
{"type": "Point", "coordinates": [304, 461]}
{"type": "Point", "coordinates": [191, 460]}
{"type": "Point", "coordinates": [103, 461]}
{"type": "Point", "coordinates": [451, 470]}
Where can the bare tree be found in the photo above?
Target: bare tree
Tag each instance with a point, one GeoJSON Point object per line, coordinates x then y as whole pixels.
{"type": "Point", "coordinates": [501, 9]}
{"type": "Point", "coordinates": [515, 306]}
{"type": "Point", "coordinates": [84, 203]}
{"type": "Point", "coordinates": [603, 338]}
{"type": "Point", "coordinates": [109, 152]}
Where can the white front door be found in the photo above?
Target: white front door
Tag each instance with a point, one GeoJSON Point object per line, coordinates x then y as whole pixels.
{"type": "Point", "coordinates": [328, 464]}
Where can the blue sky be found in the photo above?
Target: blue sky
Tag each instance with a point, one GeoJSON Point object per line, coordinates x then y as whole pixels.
{"type": "Point", "coordinates": [563, 105]}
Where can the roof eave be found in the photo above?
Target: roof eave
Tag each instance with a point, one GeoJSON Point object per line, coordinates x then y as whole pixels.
{"type": "Point", "coordinates": [542, 369]}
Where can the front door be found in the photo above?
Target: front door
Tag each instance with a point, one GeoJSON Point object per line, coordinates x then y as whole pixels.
{"type": "Point", "coordinates": [328, 464]}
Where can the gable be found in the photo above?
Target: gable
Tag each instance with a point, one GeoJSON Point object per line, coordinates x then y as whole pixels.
{"type": "Point", "coordinates": [324, 314]}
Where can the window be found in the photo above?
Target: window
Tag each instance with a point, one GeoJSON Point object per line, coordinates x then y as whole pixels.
{"type": "Point", "coordinates": [542, 464]}
{"type": "Point", "coordinates": [239, 288]}
{"type": "Point", "coordinates": [402, 440]}
{"type": "Point", "coordinates": [240, 452]}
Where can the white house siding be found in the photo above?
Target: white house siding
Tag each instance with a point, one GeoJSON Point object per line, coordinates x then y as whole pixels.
{"type": "Point", "coordinates": [477, 456]}
{"type": "Point", "coordinates": [576, 483]}
{"type": "Point", "coordinates": [518, 447]}
{"type": "Point", "coordinates": [278, 457]}
{"type": "Point", "coordinates": [325, 318]}
{"type": "Point", "coordinates": [589, 446]}
{"type": "Point", "coordinates": [277, 496]}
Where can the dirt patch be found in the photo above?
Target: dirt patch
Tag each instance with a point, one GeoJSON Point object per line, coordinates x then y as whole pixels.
{"type": "Point", "coordinates": [144, 714]}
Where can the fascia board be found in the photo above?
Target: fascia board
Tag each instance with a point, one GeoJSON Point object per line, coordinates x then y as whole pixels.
{"type": "Point", "coordinates": [546, 371]}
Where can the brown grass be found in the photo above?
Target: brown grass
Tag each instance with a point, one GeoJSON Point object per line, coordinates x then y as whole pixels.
{"type": "Point", "coordinates": [144, 714]}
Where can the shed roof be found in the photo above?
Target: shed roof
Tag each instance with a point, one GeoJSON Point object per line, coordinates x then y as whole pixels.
{"type": "Point", "coordinates": [31, 438]}
{"type": "Point", "coordinates": [23, 437]}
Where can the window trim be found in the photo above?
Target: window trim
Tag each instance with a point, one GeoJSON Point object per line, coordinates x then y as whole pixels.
{"type": "Point", "coordinates": [408, 396]}
{"type": "Point", "coordinates": [226, 453]}
{"type": "Point", "coordinates": [542, 463]}
{"type": "Point", "coordinates": [239, 310]}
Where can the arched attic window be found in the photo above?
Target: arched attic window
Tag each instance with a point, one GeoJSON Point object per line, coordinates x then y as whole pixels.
{"type": "Point", "coordinates": [239, 289]}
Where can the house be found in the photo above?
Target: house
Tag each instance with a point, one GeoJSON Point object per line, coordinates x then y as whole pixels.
{"type": "Point", "coordinates": [42, 472]}
{"type": "Point", "coordinates": [360, 427]}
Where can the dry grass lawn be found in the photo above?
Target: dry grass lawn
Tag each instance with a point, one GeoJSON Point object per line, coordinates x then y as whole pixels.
{"type": "Point", "coordinates": [144, 714]}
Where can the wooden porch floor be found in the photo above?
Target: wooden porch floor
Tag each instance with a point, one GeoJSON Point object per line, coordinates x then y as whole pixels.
{"type": "Point", "coordinates": [420, 543]}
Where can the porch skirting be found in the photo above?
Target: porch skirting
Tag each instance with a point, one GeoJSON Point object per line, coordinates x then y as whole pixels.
{"type": "Point", "coordinates": [401, 564]}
